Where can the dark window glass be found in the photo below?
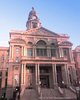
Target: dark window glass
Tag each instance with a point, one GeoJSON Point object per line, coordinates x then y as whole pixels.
{"type": "Point", "coordinates": [41, 52]}
{"type": "Point", "coordinates": [30, 52]}
{"type": "Point", "coordinates": [53, 52]}
{"type": "Point", "coordinates": [65, 51]}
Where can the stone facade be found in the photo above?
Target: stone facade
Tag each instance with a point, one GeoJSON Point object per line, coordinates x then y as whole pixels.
{"type": "Point", "coordinates": [40, 59]}
{"type": "Point", "coordinates": [76, 54]}
{"type": "Point", "coordinates": [4, 55]}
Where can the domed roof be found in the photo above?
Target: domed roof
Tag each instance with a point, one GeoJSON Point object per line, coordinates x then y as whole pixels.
{"type": "Point", "coordinates": [32, 14]}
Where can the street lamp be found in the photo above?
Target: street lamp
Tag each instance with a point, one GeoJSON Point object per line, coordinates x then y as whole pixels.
{"type": "Point", "coordinates": [39, 90]}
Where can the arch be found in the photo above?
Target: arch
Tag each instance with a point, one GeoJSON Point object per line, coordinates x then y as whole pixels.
{"type": "Point", "coordinates": [30, 43]}
{"type": "Point", "coordinates": [41, 48]}
{"type": "Point", "coordinates": [41, 42]}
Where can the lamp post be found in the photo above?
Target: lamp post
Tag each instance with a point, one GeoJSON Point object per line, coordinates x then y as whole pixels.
{"type": "Point", "coordinates": [39, 90]}
{"type": "Point", "coordinates": [63, 85]}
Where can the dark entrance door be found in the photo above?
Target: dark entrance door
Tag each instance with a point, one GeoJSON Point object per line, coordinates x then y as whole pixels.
{"type": "Point", "coordinates": [59, 76]}
{"type": "Point", "coordinates": [44, 81]}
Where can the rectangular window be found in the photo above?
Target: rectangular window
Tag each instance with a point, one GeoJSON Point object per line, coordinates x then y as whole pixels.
{"type": "Point", "coordinates": [30, 52]}
{"type": "Point", "coordinates": [17, 50]}
{"type": "Point", "coordinates": [17, 59]}
{"type": "Point", "coordinates": [53, 52]}
{"type": "Point", "coordinates": [41, 52]}
{"type": "Point", "coordinates": [65, 51]}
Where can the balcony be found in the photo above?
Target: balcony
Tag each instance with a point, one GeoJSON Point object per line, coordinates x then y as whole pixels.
{"type": "Point", "coordinates": [45, 58]}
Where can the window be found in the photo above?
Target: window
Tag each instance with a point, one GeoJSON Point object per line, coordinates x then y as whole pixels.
{"type": "Point", "coordinates": [53, 50]}
{"type": "Point", "coordinates": [65, 51]}
{"type": "Point", "coordinates": [17, 59]}
{"type": "Point", "coordinates": [41, 52]}
{"type": "Point", "coordinates": [17, 50]}
{"type": "Point", "coordinates": [41, 49]}
{"type": "Point", "coordinates": [29, 52]}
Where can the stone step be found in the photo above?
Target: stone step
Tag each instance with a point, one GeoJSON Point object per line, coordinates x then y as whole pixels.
{"type": "Point", "coordinates": [29, 94]}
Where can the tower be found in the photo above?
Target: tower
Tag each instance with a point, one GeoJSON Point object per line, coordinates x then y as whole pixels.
{"type": "Point", "coordinates": [33, 20]}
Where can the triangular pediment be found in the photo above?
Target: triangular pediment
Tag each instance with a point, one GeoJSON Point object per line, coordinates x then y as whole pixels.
{"type": "Point", "coordinates": [44, 32]}
{"type": "Point", "coordinates": [66, 43]}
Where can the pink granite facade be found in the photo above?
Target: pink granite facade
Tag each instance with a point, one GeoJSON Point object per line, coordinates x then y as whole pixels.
{"type": "Point", "coordinates": [4, 55]}
{"type": "Point", "coordinates": [76, 53]}
{"type": "Point", "coordinates": [40, 60]}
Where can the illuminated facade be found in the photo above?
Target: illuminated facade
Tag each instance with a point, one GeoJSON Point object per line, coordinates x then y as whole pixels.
{"type": "Point", "coordinates": [76, 53]}
{"type": "Point", "coordinates": [41, 61]}
{"type": "Point", "coordinates": [4, 55]}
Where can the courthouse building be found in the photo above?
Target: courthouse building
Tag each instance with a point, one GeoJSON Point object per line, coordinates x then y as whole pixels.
{"type": "Point", "coordinates": [41, 63]}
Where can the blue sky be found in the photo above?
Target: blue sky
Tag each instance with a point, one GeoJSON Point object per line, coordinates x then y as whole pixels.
{"type": "Point", "coordinates": [61, 16]}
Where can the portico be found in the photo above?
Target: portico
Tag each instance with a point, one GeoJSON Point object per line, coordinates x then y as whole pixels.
{"type": "Point", "coordinates": [50, 75]}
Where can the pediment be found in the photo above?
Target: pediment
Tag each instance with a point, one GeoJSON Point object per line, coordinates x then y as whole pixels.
{"type": "Point", "coordinates": [66, 43]}
{"type": "Point", "coordinates": [44, 32]}
{"type": "Point", "coordinates": [18, 40]}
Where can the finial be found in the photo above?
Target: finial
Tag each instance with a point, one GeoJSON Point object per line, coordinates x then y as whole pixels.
{"type": "Point", "coordinates": [32, 8]}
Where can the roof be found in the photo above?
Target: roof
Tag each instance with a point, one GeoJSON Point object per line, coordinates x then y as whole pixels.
{"type": "Point", "coordinates": [41, 32]}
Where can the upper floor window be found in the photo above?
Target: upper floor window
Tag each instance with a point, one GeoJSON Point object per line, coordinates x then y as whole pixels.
{"type": "Point", "coordinates": [17, 50]}
{"type": "Point", "coordinates": [41, 52]}
{"type": "Point", "coordinates": [29, 52]}
{"type": "Point", "coordinates": [53, 50]}
{"type": "Point", "coordinates": [41, 49]}
{"type": "Point", "coordinates": [17, 59]}
{"type": "Point", "coordinates": [65, 51]}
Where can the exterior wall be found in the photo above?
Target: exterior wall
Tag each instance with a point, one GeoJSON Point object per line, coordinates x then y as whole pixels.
{"type": "Point", "coordinates": [23, 45]}
{"type": "Point", "coordinates": [76, 54]}
{"type": "Point", "coordinates": [4, 55]}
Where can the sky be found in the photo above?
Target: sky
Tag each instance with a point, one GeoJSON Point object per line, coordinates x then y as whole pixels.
{"type": "Point", "coordinates": [60, 16]}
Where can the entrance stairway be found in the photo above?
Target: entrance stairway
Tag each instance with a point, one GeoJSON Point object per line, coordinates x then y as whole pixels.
{"type": "Point", "coordinates": [29, 94]}
{"type": "Point", "coordinates": [48, 94]}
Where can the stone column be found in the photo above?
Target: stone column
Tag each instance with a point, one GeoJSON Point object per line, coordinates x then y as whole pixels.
{"type": "Point", "coordinates": [25, 74]}
{"type": "Point", "coordinates": [60, 52]}
{"type": "Point", "coordinates": [22, 51]}
{"type": "Point", "coordinates": [70, 55]}
{"type": "Point", "coordinates": [22, 74]}
{"type": "Point", "coordinates": [34, 49]}
{"type": "Point", "coordinates": [54, 73]}
{"type": "Point", "coordinates": [37, 75]}
{"type": "Point", "coordinates": [12, 51]}
{"type": "Point", "coordinates": [65, 76]}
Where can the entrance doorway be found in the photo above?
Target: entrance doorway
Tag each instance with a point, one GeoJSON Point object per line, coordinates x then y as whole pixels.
{"type": "Point", "coordinates": [44, 81]}
{"type": "Point", "coordinates": [59, 75]}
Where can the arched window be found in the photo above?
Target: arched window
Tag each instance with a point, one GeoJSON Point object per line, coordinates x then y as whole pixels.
{"type": "Point", "coordinates": [53, 50]}
{"type": "Point", "coordinates": [30, 49]}
{"type": "Point", "coordinates": [41, 49]}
